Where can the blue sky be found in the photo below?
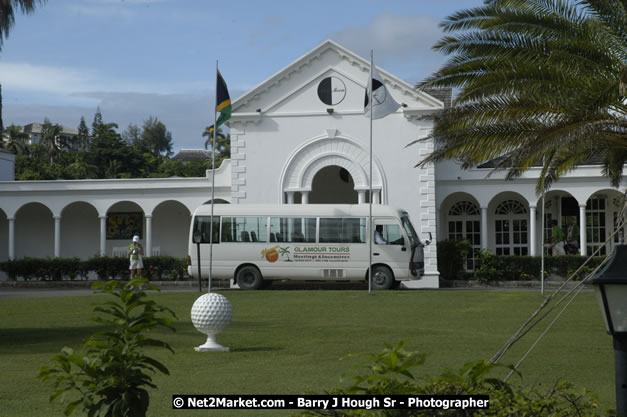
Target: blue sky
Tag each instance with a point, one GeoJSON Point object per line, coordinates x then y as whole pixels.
{"type": "Point", "coordinates": [141, 58]}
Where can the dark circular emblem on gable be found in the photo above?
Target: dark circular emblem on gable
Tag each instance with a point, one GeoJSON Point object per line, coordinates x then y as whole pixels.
{"type": "Point", "coordinates": [331, 91]}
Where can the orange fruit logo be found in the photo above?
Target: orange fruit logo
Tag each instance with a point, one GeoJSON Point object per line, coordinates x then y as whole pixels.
{"type": "Point", "coordinates": [271, 255]}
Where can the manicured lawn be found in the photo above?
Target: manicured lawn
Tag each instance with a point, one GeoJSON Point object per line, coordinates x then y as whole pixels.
{"type": "Point", "coordinates": [290, 342]}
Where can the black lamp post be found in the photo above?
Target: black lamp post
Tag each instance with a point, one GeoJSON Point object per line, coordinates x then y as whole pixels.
{"type": "Point", "coordinates": [611, 287]}
{"type": "Point", "coordinates": [197, 239]}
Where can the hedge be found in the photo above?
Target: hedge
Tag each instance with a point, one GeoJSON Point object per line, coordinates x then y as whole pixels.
{"type": "Point", "coordinates": [156, 268]}
{"type": "Point", "coordinates": [521, 268]}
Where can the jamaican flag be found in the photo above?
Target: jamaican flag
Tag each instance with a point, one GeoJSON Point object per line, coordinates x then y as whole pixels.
{"type": "Point", "coordinates": [223, 102]}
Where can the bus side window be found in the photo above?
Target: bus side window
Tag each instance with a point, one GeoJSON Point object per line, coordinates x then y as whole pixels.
{"type": "Point", "coordinates": [202, 224]}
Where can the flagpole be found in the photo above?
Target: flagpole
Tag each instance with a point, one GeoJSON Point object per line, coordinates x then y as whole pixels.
{"type": "Point", "coordinates": [213, 177]}
{"type": "Point", "coordinates": [370, 81]}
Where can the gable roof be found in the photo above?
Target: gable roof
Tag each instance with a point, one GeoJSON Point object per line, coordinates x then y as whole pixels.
{"type": "Point", "coordinates": [189, 155]}
{"type": "Point", "coordinates": [276, 79]}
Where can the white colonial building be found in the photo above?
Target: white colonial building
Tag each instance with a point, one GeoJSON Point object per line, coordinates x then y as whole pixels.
{"type": "Point", "coordinates": [300, 137]}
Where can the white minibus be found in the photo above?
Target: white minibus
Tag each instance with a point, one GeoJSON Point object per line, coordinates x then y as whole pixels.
{"type": "Point", "coordinates": [258, 243]}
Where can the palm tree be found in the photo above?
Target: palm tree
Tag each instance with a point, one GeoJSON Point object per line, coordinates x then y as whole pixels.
{"type": "Point", "coordinates": [81, 169]}
{"type": "Point", "coordinates": [541, 82]}
{"type": "Point", "coordinates": [223, 143]}
{"type": "Point", "coordinates": [16, 140]}
{"type": "Point", "coordinates": [7, 14]}
{"type": "Point", "coordinates": [52, 138]}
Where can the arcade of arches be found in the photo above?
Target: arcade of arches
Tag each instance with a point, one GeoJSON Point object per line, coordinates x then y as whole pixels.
{"type": "Point", "coordinates": [511, 225]}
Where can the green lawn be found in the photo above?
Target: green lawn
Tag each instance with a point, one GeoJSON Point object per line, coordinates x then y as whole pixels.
{"type": "Point", "coordinates": [290, 342]}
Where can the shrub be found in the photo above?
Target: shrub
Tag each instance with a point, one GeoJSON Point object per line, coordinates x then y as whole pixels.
{"type": "Point", "coordinates": [451, 254]}
{"type": "Point", "coordinates": [392, 372]}
{"type": "Point", "coordinates": [157, 268]}
{"type": "Point", "coordinates": [109, 267]}
{"type": "Point", "coordinates": [513, 268]}
{"type": "Point", "coordinates": [56, 269]}
{"type": "Point", "coordinates": [112, 372]}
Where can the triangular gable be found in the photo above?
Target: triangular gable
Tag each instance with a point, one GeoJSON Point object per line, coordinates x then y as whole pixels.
{"type": "Point", "coordinates": [327, 58]}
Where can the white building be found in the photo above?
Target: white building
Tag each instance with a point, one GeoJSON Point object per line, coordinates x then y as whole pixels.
{"type": "Point", "coordinates": [301, 137]}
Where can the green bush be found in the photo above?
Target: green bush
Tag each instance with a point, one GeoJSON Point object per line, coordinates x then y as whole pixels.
{"type": "Point", "coordinates": [392, 372]}
{"type": "Point", "coordinates": [156, 268]}
{"type": "Point", "coordinates": [111, 373]}
{"type": "Point", "coordinates": [565, 265]}
{"type": "Point", "coordinates": [109, 267]}
{"type": "Point", "coordinates": [159, 268]}
{"type": "Point", "coordinates": [520, 268]}
{"type": "Point", "coordinates": [451, 255]}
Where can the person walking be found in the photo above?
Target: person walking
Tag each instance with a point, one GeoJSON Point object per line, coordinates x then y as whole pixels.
{"type": "Point", "coordinates": [136, 254]}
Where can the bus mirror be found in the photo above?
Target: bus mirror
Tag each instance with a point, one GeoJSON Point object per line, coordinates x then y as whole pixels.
{"type": "Point", "coordinates": [428, 242]}
{"type": "Point", "coordinates": [197, 237]}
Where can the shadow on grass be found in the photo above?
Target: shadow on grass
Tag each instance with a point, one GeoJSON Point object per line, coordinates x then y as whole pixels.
{"type": "Point", "coordinates": [40, 340]}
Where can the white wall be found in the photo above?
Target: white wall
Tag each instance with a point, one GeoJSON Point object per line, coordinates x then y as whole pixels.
{"type": "Point", "coordinates": [170, 225]}
{"type": "Point", "coordinates": [80, 231]}
{"type": "Point", "coordinates": [34, 231]}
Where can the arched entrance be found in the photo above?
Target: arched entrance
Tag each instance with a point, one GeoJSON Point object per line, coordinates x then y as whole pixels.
{"type": "Point", "coordinates": [331, 169]}
{"type": "Point", "coordinates": [333, 185]}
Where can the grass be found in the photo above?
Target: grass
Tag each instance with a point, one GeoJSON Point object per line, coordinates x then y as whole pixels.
{"type": "Point", "coordinates": [290, 342]}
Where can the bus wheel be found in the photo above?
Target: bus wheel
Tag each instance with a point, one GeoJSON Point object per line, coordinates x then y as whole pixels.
{"type": "Point", "coordinates": [249, 278]}
{"type": "Point", "coordinates": [382, 278]}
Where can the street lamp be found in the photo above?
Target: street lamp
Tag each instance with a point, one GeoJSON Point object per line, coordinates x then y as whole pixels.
{"type": "Point", "coordinates": [611, 287]}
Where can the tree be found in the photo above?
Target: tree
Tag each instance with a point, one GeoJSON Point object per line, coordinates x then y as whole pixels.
{"type": "Point", "coordinates": [7, 14]}
{"type": "Point", "coordinates": [16, 140]}
{"type": "Point", "coordinates": [83, 134]}
{"type": "Point", "coordinates": [223, 143]}
{"type": "Point", "coordinates": [53, 139]}
{"type": "Point", "coordinates": [132, 135]}
{"type": "Point", "coordinates": [97, 124]}
{"type": "Point", "coordinates": [80, 168]}
{"type": "Point", "coordinates": [541, 82]}
{"type": "Point", "coordinates": [156, 138]}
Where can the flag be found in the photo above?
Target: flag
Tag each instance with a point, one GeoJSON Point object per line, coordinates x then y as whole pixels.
{"type": "Point", "coordinates": [223, 102]}
{"type": "Point", "coordinates": [384, 104]}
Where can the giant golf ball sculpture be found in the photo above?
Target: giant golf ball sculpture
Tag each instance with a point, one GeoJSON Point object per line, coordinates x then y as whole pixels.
{"type": "Point", "coordinates": [211, 313]}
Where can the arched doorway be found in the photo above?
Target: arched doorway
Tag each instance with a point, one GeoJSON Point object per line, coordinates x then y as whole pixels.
{"type": "Point", "coordinates": [336, 169]}
{"type": "Point", "coordinates": [333, 185]}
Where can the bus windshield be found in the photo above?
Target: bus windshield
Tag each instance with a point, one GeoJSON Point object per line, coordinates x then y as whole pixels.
{"type": "Point", "coordinates": [409, 229]}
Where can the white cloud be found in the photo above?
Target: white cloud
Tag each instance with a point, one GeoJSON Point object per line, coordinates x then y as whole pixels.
{"type": "Point", "coordinates": [400, 43]}
{"type": "Point", "coordinates": [44, 79]}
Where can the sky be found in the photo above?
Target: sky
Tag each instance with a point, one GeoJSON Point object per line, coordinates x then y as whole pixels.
{"type": "Point", "coordinates": [139, 58]}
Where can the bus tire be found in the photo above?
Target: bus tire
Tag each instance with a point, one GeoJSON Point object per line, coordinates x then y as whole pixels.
{"type": "Point", "coordinates": [382, 278]}
{"type": "Point", "coordinates": [249, 278]}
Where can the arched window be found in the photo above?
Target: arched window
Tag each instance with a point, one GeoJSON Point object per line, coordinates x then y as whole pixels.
{"type": "Point", "coordinates": [464, 223]}
{"type": "Point", "coordinates": [511, 226]}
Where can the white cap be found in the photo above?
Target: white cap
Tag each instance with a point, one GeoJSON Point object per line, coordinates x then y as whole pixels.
{"type": "Point", "coordinates": [136, 238]}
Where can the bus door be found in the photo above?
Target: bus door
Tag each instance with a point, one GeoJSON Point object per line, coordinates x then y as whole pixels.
{"type": "Point", "coordinates": [390, 246]}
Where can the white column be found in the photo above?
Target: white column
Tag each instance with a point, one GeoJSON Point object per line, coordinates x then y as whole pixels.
{"type": "Point", "coordinates": [375, 199]}
{"type": "Point", "coordinates": [57, 236]}
{"type": "Point", "coordinates": [304, 197]}
{"type": "Point", "coordinates": [11, 237]}
{"type": "Point", "coordinates": [148, 251]}
{"type": "Point", "coordinates": [290, 197]}
{"type": "Point", "coordinates": [484, 228]}
{"type": "Point", "coordinates": [582, 230]}
{"type": "Point", "coordinates": [532, 231]}
{"type": "Point", "coordinates": [361, 196]}
{"type": "Point", "coordinates": [103, 235]}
